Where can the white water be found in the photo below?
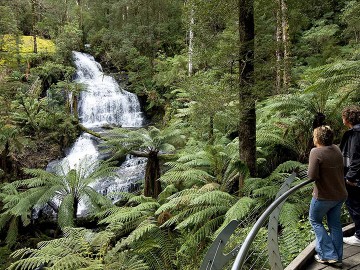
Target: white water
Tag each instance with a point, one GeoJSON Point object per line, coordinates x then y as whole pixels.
{"type": "Point", "coordinates": [102, 103]}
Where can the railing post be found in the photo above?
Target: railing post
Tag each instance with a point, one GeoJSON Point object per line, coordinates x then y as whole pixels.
{"type": "Point", "coordinates": [240, 258]}
{"type": "Point", "coordinates": [273, 232]}
{"type": "Point", "coordinates": [214, 258]}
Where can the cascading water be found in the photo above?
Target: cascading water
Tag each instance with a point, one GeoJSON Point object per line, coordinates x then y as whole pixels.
{"type": "Point", "coordinates": [102, 103]}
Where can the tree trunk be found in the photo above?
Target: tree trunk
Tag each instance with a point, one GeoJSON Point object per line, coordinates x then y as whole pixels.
{"type": "Point", "coordinates": [247, 117]}
{"type": "Point", "coordinates": [6, 163]}
{"type": "Point", "coordinates": [75, 106]}
{"type": "Point", "coordinates": [65, 15]}
{"type": "Point", "coordinates": [211, 130]}
{"type": "Point", "coordinates": [34, 21]}
{"type": "Point", "coordinates": [191, 41]}
{"type": "Point", "coordinates": [3, 160]}
{"type": "Point", "coordinates": [75, 206]}
{"type": "Point", "coordinates": [278, 82]}
{"type": "Point", "coordinates": [81, 22]}
{"type": "Point", "coordinates": [95, 134]}
{"type": "Point", "coordinates": [18, 56]}
{"type": "Point", "coordinates": [286, 44]}
{"type": "Point", "coordinates": [152, 174]}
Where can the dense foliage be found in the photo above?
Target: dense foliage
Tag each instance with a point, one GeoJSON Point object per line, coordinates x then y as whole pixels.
{"type": "Point", "coordinates": [184, 60]}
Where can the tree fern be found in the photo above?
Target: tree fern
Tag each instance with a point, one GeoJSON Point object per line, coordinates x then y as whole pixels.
{"type": "Point", "coordinates": [144, 228]}
{"type": "Point", "coordinates": [151, 143]}
{"type": "Point", "coordinates": [22, 196]}
{"type": "Point", "coordinates": [78, 249]}
{"type": "Point", "coordinates": [201, 216]}
{"type": "Point", "coordinates": [215, 197]}
{"type": "Point", "coordinates": [123, 261]}
{"type": "Point", "coordinates": [216, 163]}
{"type": "Point", "coordinates": [288, 119]}
{"type": "Point", "coordinates": [238, 211]}
{"type": "Point", "coordinates": [66, 212]}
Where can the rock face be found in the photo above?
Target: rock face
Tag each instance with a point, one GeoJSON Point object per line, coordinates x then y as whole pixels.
{"type": "Point", "coordinates": [38, 155]}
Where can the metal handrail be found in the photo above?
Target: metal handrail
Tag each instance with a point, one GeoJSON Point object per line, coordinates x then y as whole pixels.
{"type": "Point", "coordinates": [240, 257]}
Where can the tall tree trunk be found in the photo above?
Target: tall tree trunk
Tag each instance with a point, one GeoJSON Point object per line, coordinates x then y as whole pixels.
{"type": "Point", "coordinates": [81, 21]}
{"type": "Point", "coordinates": [65, 16]}
{"type": "Point", "coordinates": [74, 106]}
{"type": "Point", "coordinates": [247, 117]}
{"type": "Point", "coordinates": [34, 21]}
{"type": "Point", "coordinates": [152, 174]}
{"type": "Point", "coordinates": [191, 41]}
{"type": "Point", "coordinates": [211, 129]}
{"type": "Point", "coordinates": [4, 158]}
{"type": "Point", "coordinates": [75, 207]}
{"type": "Point", "coordinates": [18, 57]}
{"type": "Point", "coordinates": [286, 44]}
{"type": "Point", "coordinates": [278, 82]}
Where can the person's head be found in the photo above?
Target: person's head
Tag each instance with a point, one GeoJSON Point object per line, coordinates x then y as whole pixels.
{"type": "Point", "coordinates": [323, 136]}
{"type": "Point", "coordinates": [351, 115]}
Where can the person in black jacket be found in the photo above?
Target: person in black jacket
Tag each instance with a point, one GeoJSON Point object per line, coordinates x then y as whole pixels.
{"type": "Point", "coordinates": [350, 148]}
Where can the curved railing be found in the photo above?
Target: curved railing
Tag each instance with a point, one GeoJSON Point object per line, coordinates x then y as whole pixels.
{"type": "Point", "coordinates": [240, 258]}
{"type": "Point", "coordinates": [215, 259]}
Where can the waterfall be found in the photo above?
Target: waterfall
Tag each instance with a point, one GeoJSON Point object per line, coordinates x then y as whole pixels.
{"type": "Point", "coordinates": [102, 102]}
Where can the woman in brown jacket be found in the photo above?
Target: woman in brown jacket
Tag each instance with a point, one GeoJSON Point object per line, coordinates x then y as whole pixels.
{"type": "Point", "coordinates": [326, 168]}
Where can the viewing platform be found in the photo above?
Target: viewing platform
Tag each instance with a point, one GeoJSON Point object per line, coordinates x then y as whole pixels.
{"type": "Point", "coordinates": [305, 260]}
{"type": "Point", "coordinates": [247, 255]}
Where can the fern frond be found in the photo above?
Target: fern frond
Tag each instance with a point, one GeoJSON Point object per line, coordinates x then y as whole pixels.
{"type": "Point", "coordinates": [140, 199]}
{"type": "Point", "coordinates": [208, 228]}
{"type": "Point", "coordinates": [216, 197]}
{"type": "Point", "coordinates": [289, 214]}
{"type": "Point", "coordinates": [267, 191]}
{"type": "Point", "coordinates": [240, 209]}
{"type": "Point", "coordinates": [182, 215]}
{"type": "Point", "coordinates": [123, 261]}
{"type": "Point", "coordinates": [71, 261]}
{"type": "Point", "coordinates": [144, 228]}
{"type": "Point", "coordinates": [4, 219]}
{"type": "Point", "coordinates": [29, 263]}
{"type": "Point", "coordinates": [12, 232]}
{"type": "Point", "coordinates": [201, 216]}
{"type": "Point", "coordinates": [289, 166]}
{"type": "Point", "coordinates": [66, 212]}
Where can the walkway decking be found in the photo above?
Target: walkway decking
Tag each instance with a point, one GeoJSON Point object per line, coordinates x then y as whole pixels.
{"type": "Point", "coordinates": [305, 261]}
{"type": "Point", "coordinates": [351, 260]}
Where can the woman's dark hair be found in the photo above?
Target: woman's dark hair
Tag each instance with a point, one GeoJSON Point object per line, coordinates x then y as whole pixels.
{"type": "Point", "coordinates": [324, 135]}
{"type": "Point", "coordinates": [351, 114]}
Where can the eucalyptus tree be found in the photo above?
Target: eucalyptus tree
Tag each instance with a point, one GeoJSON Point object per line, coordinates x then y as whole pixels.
{"type": "Point", "coordinates": [152, 143]}
{"type": "Point", "coordinates": [247, 113]}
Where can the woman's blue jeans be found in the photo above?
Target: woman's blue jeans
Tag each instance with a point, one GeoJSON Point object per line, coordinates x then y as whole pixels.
{"type": "Point", "coordinates": [329, 246]}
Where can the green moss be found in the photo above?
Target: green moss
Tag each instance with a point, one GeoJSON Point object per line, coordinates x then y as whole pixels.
{"type": "Point", "coordinates": [20, 49]}
{"type": "Point", "coordinates": [26, 44]}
